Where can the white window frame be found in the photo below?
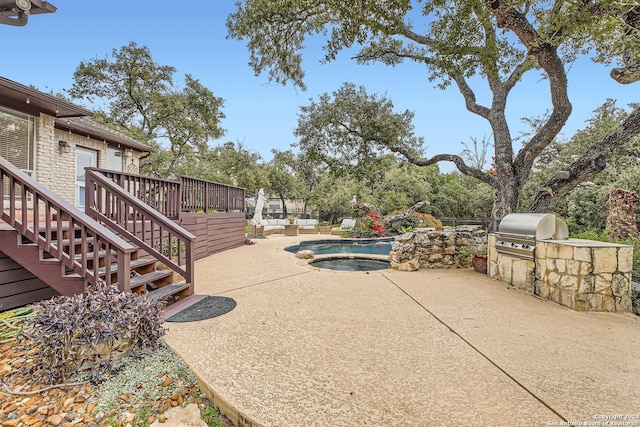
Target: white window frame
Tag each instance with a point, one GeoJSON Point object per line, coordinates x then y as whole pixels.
{"type": "Point", "coordinates": [30, 122]}
{"type": "Point", "coordinates": [93, 154]}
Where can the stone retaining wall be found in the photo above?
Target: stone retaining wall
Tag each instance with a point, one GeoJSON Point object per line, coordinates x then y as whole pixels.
{"type": "Point", "coordinates": [428, 248]}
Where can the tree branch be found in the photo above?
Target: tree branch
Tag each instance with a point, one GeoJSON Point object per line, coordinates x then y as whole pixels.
{"type": "Point", "coordinates": [455, 159]}
{"type": "Point", "coordinates": [549, 60]}
{"type": "Point", "coordinates": [591, 162]}
{"type": "Point", "coordinates": [630, 73]}
{"type": "Point", "coordinates": [518, 72]}
{"type": "Point", "coordinates": [406, 214]}
{"type": "Point", "coordinates": [470, 97]}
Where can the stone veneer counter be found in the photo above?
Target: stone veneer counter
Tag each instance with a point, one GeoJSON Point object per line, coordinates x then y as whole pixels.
{"type": "Point", "coordinates": [584, 275]}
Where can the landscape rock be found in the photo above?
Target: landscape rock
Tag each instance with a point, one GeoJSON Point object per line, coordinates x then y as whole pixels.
{"type": "Point", "coordinates": [427, 248]}
{"type": "Point", "coordinates": [305, 254]}
{"type": "Point", "coordinates": [187, 416]}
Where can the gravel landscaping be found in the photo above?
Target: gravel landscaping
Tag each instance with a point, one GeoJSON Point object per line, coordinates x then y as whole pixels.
{"type": "Point", "coordinates": [139, 393]}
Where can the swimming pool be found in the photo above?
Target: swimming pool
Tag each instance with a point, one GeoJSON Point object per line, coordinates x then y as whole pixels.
{"type": "Point", "coordinates": [345, 246]}
{"type": "Point", "coordinates": [351, 263]}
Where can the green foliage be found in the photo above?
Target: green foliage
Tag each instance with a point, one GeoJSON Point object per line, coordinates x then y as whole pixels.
{"type": "Point", "coordinates": [416, 220]}
{"type": "Point", "coordinates": [333, 197]}
{"type": "Point", "coordinates": [211, 416]}
{"type": "Point", "coordinates": [460, 196]}
{"type": "Point", "coordinates": [464, 254]}
{"type": "Point", "coordinates": [459, 42]}
{"type": "Point", "coordinates": [144, 101]}
{"type": "Point", "coordinates": [142, 378]}
{"type": "Point", "coordinates": [586, 207]}
{"type": "Point", "coordinates": [88, 332]}
{"type": "Point", "coordinates": [369, 226]}
{"type": "Point", "coordinates": [172, 249]}
{"type": "Point", "coordinates": [235, 164]}
{"type": "Point", "coordinates": [401, 186]}
{"type": "Point", "coordinates": [457, 37]}
{"type": "Point", "coordinates": [12, 321]}
{"type": "Point", "coordinates": [282, 180]}
{"type": "Point", "coordinates": [351, 131]}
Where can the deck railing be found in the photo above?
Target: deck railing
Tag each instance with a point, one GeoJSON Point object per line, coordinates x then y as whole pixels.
{"type": "Point", "coordinates": [41, 215]}
{"type": "Point", "coordinates": [207, 196]}
{"type": "Point", "coordinates": [162, 195]}
{"type": "Point", "coordinates": [187, 194]}
{"type": "Point", "coordinates": [156, 234]}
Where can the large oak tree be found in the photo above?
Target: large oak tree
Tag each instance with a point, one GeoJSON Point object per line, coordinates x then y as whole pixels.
{"type": "Point", "coordinates": [137, 96]}
{"type": "Point", "coordinates": [498, 40]}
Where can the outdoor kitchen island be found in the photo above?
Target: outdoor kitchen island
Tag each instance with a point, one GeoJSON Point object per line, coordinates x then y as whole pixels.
{"type": "Point", "coordinates": [583, 275]}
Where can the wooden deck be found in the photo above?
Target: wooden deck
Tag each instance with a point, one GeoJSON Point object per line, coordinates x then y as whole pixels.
{"type": "Point", "coordinates": [133, 230]}
{"type": "Point", "coordinates": [18, 286]}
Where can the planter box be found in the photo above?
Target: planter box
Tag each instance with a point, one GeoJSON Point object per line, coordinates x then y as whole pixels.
{"type": "Point", "coordinates": [325, 229]}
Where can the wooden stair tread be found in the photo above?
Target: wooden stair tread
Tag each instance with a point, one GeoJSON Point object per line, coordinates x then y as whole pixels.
{"type": "Point", "coordinates": [91, 255]}
{"type": "Point", "coordinates": [149, 277]}
{"type": "Point", "coordinates": [167, 290]}
{"type": "Point", "coordinates": [135, 263]}
{"type": "Point", "coordinates": [76, 241]}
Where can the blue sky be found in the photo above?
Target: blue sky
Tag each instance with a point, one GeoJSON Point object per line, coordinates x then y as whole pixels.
{"type": "Point", "coordinates": [263, 115]}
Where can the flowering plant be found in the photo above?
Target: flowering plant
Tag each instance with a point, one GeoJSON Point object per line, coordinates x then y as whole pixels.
{"type": "Point", "coordinates": [370, 225]}
{"type": "Point", "coordinates": [492, 171]}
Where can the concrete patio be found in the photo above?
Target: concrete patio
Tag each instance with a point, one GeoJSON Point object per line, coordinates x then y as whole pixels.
{"type": "Point", "coordinates": [311, 347]}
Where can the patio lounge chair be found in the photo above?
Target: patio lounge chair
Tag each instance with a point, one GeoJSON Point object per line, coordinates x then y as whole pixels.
{"type": "Point", "coordinates": [347, 224]}
{"type": "Point", "coordinates": [307, 226]}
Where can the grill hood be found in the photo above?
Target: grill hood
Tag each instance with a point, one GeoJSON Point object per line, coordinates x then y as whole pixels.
{"type": "Point", "coordinates": [536, 226]}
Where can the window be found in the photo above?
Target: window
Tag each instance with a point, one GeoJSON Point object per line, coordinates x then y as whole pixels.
{"type": "Point", "coordinates": [17, 139]}
{"type": "Point", "coordinates": [85, 158]}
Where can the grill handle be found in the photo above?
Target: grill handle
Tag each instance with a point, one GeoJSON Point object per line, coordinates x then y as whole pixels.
{"type": "Point", "coordinates": [515, 236]}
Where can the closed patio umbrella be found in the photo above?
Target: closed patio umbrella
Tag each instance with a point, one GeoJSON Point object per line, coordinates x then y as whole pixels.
{"type": "Point", "coordinates": [257, 216]}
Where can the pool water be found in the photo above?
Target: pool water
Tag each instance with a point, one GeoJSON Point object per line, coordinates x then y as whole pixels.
{"type": "Point", "coordinates": [323, 247]}
{"type": "Point", "coordinates": [351, 264]}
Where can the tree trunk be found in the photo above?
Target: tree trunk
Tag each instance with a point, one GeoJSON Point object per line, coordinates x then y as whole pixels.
{"type": "Point", "coordinates": [406, 214]}
{"type": "Point", "coordinates": [506, 203]}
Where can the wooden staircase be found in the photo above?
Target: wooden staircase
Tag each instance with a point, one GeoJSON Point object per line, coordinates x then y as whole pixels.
{"type": "Point", "coordinates": [145, 273]}
{"type": "Point", "coordinates": [118, 240]}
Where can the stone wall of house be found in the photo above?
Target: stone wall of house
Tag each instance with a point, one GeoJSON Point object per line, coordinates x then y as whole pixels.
{"type": "Point", "coordinates": [583, 275]}
{"type": "Point", "coordinates": [428, 248]}
{"type": "Point", "coordinates": [57, 170]}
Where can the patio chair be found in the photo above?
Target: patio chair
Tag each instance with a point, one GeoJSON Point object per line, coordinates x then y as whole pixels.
{"type": "Point", "coordinates": [347, 224]}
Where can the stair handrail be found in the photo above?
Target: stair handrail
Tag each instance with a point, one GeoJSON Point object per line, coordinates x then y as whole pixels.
{"type": "Point", "coordinates": [126, 214]}
{"type": "Point", "coordinates": [148, 189]}
{"type": "Point", "coordinates": [93, 234]}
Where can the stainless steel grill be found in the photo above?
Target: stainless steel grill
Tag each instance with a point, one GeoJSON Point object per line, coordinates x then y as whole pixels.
{"type": "Point", "coordinates": [518, 232]}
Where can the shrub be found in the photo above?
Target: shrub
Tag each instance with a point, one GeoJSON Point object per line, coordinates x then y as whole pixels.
{"type": "Point", "coordinates": [416, 220]}
{"type": "Point", "coordinates": [86, 334]}
{"type": "Point", "coordinates": [369, 226]}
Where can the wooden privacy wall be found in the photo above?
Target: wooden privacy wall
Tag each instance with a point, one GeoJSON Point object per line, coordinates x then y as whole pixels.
{"type": "Point", "coordinates": [214, 232]}
{"type": "Point", "coordinates": [18, 286]}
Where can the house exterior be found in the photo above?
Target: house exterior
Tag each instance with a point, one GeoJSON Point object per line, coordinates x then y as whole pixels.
{"type": "Point", "coordinates": [75, 211]}
{"type": "Point", "coordinates": [53, 140]}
